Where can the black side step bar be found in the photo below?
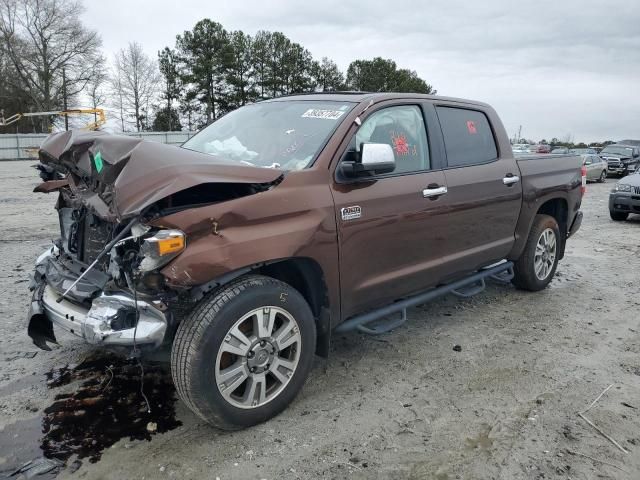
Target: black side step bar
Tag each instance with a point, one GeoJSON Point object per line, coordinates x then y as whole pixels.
{"type": "Point", "coordinates": [465, 287]}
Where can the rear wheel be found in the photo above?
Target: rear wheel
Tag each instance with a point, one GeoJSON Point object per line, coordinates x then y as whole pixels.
{"type": "Point", "coordinates": [618, 216]}
{"type": "Point", "coordinates": [244, 353]}
{"type": "Point", "coordinates": [603, 176]}
{"type": "Point", "coordinates": [537, 264]}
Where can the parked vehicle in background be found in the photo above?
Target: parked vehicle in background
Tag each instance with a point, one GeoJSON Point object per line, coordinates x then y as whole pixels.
{"type": "Point", "coordinates": [542, 148]}
{"type": "Point", "coordinates": [596, 168]}
{"type": "Point", "coordinates": [563, 150]}
{"type": "Point", "coordinates": [633, 143]}
{"type": "Point", "coordinates": [621, 159]}
{"type": "Point", "coordinates": [584, 151]}
{"type": "Point", "coordinates": [624, 199]}
{"type": "Point", "coordinates": [520, 148]}
{"type": "Point", "coordinates": [286, 220]}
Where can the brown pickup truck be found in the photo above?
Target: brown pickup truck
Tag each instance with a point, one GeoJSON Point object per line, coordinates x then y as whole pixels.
{"type": "Point", "coordinates": [284, 221]}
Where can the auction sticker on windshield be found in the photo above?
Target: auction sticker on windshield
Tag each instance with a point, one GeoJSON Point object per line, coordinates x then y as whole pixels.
{"type": "Point", "coordinates": [326, 114]}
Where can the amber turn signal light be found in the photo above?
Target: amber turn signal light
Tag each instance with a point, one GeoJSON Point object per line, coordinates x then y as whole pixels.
{"type": "Point", "coordinates": [170, 245]}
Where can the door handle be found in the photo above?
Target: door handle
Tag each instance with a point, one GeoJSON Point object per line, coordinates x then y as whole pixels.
{"type": "Point", "coordinates": [510, 179]}
{"type": "Point", "coordinates": [431, 192]}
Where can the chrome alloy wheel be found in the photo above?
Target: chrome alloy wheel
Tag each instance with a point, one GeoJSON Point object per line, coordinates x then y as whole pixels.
{"type": "Point", "coordinates": [258, 357]}
{"type": "Point", "coordinates": [545, 255]}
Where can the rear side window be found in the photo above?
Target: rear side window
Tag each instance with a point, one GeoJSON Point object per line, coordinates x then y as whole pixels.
{"type": "Point", "coordinates": [467, 135]}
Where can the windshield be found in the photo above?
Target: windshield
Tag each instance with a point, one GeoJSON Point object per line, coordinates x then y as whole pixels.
{"type": "Point", "coordinates": [284, 134]}
{"type": "Point", "coordinates": [617, 150]}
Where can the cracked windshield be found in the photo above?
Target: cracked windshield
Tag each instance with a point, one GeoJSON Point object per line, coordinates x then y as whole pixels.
{"type": "Point", "coordinates": [286, 135]}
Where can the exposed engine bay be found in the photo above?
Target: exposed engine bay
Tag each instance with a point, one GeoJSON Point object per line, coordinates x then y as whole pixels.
{"type": "Point", "coordinates": [101, 278]}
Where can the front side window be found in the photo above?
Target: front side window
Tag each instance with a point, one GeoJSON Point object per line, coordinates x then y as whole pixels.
{"type": "Point", "coordinates": [467, 135]}
{"type": "Point", "coordinates": [283, 134]}
{"type": "Point", "coordinates": [403, 128]}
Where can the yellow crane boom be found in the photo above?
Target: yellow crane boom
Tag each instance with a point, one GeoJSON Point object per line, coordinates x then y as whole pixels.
{"type": "Point", "coordinates": [99, 112]}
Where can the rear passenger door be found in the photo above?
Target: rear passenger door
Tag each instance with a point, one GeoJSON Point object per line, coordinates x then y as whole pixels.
{"type": "Point", "coordinates": [484, 190]}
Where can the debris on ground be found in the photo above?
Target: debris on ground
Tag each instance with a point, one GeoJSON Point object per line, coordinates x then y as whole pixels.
{"type": "Point", "coordinates": [39, 466]}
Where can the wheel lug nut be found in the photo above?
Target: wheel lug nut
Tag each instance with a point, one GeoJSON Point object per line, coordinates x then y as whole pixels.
{"type": "Point", "coordinates": [263, 343]}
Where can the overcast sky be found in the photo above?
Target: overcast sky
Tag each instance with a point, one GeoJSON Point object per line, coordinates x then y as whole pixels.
{"type": "Point", "coordinates": [558, 68]}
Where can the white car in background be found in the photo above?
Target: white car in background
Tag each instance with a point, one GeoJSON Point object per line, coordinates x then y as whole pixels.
{"type": "Point", "coordinates": [520, 148]}
{"type": "Point", "coordinates": [596, 168]}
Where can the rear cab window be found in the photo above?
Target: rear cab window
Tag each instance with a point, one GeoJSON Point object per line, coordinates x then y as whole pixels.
{"type": "Point", "coordinates": [468, 137]}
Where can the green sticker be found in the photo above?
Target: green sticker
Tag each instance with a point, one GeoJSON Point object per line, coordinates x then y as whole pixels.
{"type": "Point", "coordinates": [97, 160]}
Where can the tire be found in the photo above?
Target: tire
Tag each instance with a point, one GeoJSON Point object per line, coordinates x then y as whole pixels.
{"type": "Point", "coordinates": [603, 177]}
{"type": "Point", "coordinates": [537, 265]}
{"type": "Point", "coordinates": [618, 216]}
{"type": "Point", "coordinates": [259, 380]}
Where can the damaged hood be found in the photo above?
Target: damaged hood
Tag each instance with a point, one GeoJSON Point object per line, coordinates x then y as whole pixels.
{"type": "Point", "coordinates": [118, 176]}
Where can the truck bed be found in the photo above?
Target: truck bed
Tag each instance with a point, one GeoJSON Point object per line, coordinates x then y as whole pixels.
{"type": "Point", "coordinates": [544, 172]}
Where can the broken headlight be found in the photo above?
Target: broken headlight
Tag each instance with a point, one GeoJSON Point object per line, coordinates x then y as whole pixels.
{"type": "Point", "coordinates": [161, 248]}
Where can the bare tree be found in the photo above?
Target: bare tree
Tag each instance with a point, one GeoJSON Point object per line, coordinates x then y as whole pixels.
{"type": "Point", "coordinates": [96, 88]}
{"type": "Point", "coordinates": [135, 81]}
{"type": "Point", "coordinates": [117, 97]}
{"type": "Point", "coordinates": [43, 38]}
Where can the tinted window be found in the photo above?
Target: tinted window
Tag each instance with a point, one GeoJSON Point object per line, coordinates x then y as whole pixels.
{"type": "Point", "coordinates": [467, 136]}
{"type": "Point", "coordinates": [403, 128]}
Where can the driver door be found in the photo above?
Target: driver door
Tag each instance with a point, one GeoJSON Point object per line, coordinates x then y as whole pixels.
{"type": "Point", "coordinates": [391, 227]}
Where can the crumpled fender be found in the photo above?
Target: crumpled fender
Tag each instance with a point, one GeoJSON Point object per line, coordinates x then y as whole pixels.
{"type": "Point", "coordinates": [118, 176]}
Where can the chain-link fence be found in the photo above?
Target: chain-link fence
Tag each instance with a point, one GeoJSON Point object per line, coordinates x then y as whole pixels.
{"type": "Point", "coordinates": [25, 146]}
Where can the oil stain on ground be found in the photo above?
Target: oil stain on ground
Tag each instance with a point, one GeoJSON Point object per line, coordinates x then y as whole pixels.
{"type": "Point", "coordinates": [106, 406]}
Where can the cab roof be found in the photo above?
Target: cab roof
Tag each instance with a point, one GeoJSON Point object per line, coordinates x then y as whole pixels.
{"type": "Point", "coordinates": [359, 97]}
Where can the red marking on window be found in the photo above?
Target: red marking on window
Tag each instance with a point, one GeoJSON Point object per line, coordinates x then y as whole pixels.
{"type": "Point", "coordinates": [471, 126]}
{"type": "Point", "coordinates": [400, 144]}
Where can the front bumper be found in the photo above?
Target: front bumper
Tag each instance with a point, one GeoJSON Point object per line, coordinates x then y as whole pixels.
{"type": "Point", "coordinates": [624, 202]}
{"type": "Point", "coordinates": [101, 324]}
{"type": "Point", "coordinates": [617, 169]}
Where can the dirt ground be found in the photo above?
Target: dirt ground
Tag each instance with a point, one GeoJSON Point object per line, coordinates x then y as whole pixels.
{"type": "Point", "coordinates": [405, 405]}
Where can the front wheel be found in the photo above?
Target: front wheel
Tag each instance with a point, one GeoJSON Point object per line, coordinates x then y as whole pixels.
{"type": "Point", "coordinates": [537, 264]}
{"type": "Point", "coordinates": [603, 177]}
{"type": "Point", "coordinates": [618, 216]}
{"type": "Point", "coordinates": [244, 353]}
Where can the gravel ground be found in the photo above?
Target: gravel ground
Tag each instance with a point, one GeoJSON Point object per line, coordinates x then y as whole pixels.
{"type": "Point", "coordinates": [402, 406]}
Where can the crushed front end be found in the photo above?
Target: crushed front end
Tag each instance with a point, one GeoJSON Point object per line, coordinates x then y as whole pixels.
{"type": "Point", "coordinates": [121, 299]}
{"type": "Point", "coordinates": [102, 277]}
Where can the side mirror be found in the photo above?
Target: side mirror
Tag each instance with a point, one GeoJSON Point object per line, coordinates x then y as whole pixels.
{"type": "Point", "coordinates": [374, 159]}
